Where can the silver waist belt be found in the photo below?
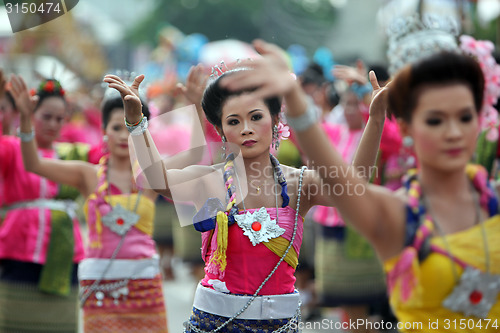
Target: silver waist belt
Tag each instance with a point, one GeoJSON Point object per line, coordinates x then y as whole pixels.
{"type": "Point", "coordinates": [263, 307]}
{"type": "Point", "coordinates": [67, 206]}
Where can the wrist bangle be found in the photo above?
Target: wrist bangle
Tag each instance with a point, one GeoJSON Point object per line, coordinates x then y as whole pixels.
{"type": "Point", "coordinates": [139, 128]}
{"type": "Point", "coordinates": [26, 137]}
{"type": "Point", "coordinates": [303, 122]}
{"type": "Point", "coordinates": [137, 123]}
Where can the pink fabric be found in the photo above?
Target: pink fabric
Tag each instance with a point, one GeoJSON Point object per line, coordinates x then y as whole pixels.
{"type": "Point", "coordinates": [403, 271]}
{"type": "Point", "coordinates": [346, 142]}
{"type": "Point", "coordinates": [25, 233]}
{"type": "Point", "coordinates": [170, 139]}
{"type": "Point", "coordinates": [86, 130]}
{"type": "Point", "coordinates": [248, 265]}
{"type": "Point", "coordinates": [137, 245]}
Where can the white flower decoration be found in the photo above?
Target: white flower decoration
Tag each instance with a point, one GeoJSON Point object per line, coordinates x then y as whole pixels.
{"type": "Point", "coordinates": [219, 286]}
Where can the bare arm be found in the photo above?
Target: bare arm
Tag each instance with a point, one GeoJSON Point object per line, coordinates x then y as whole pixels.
{"type": "Point", "coordinates": [78, 174]}
{"type": "Point", "coordinates": [374, 211]}
{"type": "Point", "coordinates": [193, 90]}
{"type": "Point", "coordinates": [366, 154]}
{"type": "Point", "coordinates": [158, 174]}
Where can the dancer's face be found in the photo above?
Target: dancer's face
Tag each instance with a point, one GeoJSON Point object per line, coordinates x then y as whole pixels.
{"type": "Point", "coordinates": [444, 126]}
{"type": "Point", "coordinates": [7, 111]}
{"type": "Point", "coordinates": [117, 134]}
{"type": "Point", "coordinates": [48, 119]}
{"type": "Point", "coordinates": [352, 110]}
{"type": "Point", "coordinates": [247, 124]}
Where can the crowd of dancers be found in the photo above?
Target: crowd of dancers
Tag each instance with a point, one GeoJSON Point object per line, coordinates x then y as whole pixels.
{"type": "Point", "coordinates": [378, 180]}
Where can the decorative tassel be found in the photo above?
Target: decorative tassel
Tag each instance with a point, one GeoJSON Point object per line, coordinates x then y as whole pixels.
{"type": "Point", "coordinates": [405, 274]}
{"type": "Point", "coordinates": [219, 257]}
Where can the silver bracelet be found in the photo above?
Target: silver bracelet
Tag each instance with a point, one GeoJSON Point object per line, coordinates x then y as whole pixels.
{"type": "Point", "coordinates": [26, 137]}
{"type": "Point", "coordinates": [309, 118]}
{"type": "Point", "coordinates": [138, 129]}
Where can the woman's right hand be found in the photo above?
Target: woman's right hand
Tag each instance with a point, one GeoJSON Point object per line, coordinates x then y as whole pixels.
{"type": "Point", "coordinates": [130, 96]}
{"type": "Point", "coordinates": [24, 102]}
{"type": "Point", "coordinates": [378, 105]}
{"type": "Point", "coordinates": [195, 85]}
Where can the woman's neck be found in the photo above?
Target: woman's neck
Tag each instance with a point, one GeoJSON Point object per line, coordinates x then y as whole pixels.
{"type": "Point", "coordinates": [258, 167]}
{"type": "Point", "coordinates": [119, 163]}
{"type": "Point", "coordinates": [440, 183]}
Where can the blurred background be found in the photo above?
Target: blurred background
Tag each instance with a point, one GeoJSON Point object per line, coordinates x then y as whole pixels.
{"type": "Point", "coordinates": [164, 38]}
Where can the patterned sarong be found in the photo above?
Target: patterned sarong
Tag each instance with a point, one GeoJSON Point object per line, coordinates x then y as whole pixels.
{"type": "Point", "coordinates": [143, 310]}
{"type": "Point", "coordinates": [208, 322]}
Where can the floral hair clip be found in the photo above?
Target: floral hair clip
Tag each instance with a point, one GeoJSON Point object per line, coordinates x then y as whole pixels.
{"type": "Point", "coordinates": [283, 131]}
{"type": "Point", "coordinates": [482, 51]}
{"type": "Point", "coordinates": [51, 86]}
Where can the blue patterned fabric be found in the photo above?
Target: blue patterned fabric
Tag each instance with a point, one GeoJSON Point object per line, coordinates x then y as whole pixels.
{"type": "Point", "coordinates": [208, 322]}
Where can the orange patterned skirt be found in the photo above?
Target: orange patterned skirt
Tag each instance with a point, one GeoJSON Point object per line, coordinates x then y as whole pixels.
{"type": "Point", "coordinates": [140, 307]}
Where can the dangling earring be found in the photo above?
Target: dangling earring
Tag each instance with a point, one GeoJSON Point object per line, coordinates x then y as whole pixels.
{"type": "Point", "coordinates": [223, 147]}
{"type": "Point", "coordinates": [409, 159]}
{"type": "Point", "coordinates": [104, 147]}
{"type": "Point", "coordinates": [407, 141]}
{"type": "Point", "coordinates": [276, 140]}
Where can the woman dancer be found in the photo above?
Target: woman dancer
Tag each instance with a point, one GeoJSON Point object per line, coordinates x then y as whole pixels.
{"type": "Point", "coordinates": [250, 242]}
{"type": "Point", "coordinates": [120, 280]}
{"type": "Point", "coordinates": [439, 239]}
{"type": "Point", "coordinates": [40, 241]}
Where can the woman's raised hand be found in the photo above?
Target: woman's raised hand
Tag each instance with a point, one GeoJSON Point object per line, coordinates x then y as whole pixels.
{"type": "Point", "coordinates": [130, 95]}
{"type": "Point", "coordinates": [196, 82]}
{"type": "Point", "coordinates": [378, 105]}
{"type": "Point", "coordinates": [24, 102]}
{"type": "Point", "coordinates": [350, 74]}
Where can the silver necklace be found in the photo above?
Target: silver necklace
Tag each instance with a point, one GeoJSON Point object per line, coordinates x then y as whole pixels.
{"type": "Point", "coordinates": [258, 226]}
{"type": "Point", "coordinates": [475, 291]}
{"type": "Point", "coordinates": [297, 317]}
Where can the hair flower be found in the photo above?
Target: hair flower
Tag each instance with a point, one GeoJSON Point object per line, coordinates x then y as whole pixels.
{"type": "Point", "coordinates": [482, 50]}
{"type": "Point", "coordinates": [283, 131]}
{"type": "Point", "coordinates": [49, 87]}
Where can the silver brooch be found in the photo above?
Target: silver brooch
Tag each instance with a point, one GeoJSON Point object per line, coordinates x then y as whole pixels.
{"type": "Point", "coordinates": [475, 293]}
{"type": "Point", "coordinates": [120, 220]}
{"type": "Point", "coordinates": [258, 226]}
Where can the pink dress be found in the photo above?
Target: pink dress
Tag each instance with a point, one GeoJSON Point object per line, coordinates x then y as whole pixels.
{"type": "Point", "coordinates": [242, 275]}
{"type": "Point", "coordinates": [120, 279]}
{"type": "Point", "coordinates": [25, 233]}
